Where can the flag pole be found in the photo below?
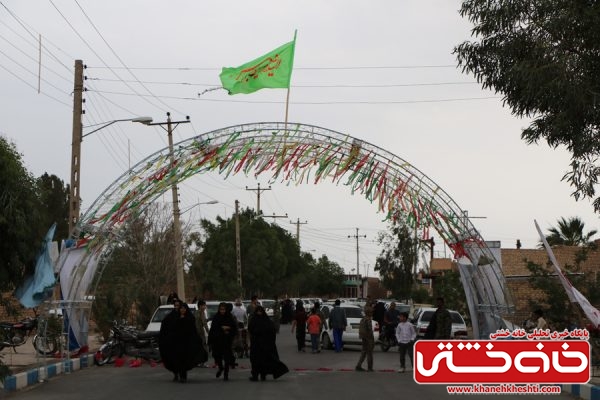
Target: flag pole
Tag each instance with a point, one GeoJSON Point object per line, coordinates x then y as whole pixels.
{"type": "Point", "coordinates": [287, 99]}
{"type": "Point", "coordinates": [287, 105]}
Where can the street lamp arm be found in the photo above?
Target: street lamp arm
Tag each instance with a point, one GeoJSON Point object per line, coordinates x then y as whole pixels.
{"type": "Point", "coordinates": [143, 120]}
{"type": "Point", "coordinates": [197, 204]}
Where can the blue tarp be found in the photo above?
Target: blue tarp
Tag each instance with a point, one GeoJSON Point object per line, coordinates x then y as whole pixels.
{"type": "Point", "coordinates": [40, 286]}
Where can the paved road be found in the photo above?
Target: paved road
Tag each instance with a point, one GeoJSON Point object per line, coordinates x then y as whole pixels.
{"type": "Point", "coordinates": [327, 375]}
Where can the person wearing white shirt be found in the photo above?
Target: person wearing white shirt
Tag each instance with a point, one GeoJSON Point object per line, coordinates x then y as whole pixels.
{"type": "Point", "coordinates": [239, 312]}
{"type": "Point", "coordinates": [406, 335]}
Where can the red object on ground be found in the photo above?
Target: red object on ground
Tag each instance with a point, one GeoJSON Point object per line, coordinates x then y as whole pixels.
{"type": "Point", "coordinates": [119, 362]}
{"type": "Point", "coordinates": [135, 363]}
{"type": "Point", "coordinates": [324, 369]}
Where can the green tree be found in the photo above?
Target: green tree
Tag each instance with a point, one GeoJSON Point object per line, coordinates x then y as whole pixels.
{"type": "Point", "coordinates": [449, 286]}
{"type": "Point", "coordinates": [272, 263]}
{"type": "Point", "coordinates": [397, 259]}
{"type": "Point", "coordinates": [542, 56]}
{"type": "Point", "coordinates": [570, 233]}
{"type": "Point", "coordinates": [54, 199]}
{"type": "Point", "coordinates": [20, 218]}
{"type": "Point", "coordinates": [140, 269]}
{"type": "Point", "coordinates": [327, 277]}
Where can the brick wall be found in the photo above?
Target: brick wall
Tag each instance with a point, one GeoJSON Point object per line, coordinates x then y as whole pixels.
{"type": "Point", "coordinates": [514, 265]}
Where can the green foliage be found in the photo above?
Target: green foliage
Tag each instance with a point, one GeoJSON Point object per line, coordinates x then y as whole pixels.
{"type": "Point", "coordinates": [140, 269]}
{"type": "Point", "coordinates": [542, 57]}
{"type": "Point", "coordinates": [451, 289]}
{"type": "Point", "coordinates": [570, 233]}
{"type": "Point", "coordinates": [421, 295]}
{"type": "Point", "coordinates": [272, 263]}
{"type": "Point", "coordinates": [397, 259]}
{"type": "Point", "coordinates": [20, 218]}
{"type": "Point", "coordinates": [326, 277]}
{"type": "Point", "coordinates": [54, 199]}
{"type": "Point", "coordinates": [555, 302]}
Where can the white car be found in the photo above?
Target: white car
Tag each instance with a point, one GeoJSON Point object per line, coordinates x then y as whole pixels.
{"type": "Point", "coordinates": [267, 305]}
{"type": "Point", "coordinates": [161, 312]}
{"type": "Point", "coordinates": [423, 316]}
{"type": "Point", "coordinates": [354, 314]}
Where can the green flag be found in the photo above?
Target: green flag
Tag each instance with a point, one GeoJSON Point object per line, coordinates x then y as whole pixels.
{"type": "Point", "coordinates": [273, 70]}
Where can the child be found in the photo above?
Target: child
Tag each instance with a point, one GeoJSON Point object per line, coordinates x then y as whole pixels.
{"type": "Point", "coordinates": [314, 328]}
{"type": "Point", "coordinates": [365, 332]}
{"type": "Point", "coordinates": [406, 335]}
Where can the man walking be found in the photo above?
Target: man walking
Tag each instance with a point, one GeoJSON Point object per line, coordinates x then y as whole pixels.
{"type": "Point", "coordinates": [365, 332]}
{"type": "Point", "coordinates": [338, 323]}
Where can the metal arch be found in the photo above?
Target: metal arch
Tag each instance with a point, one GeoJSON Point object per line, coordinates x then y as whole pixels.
{"type": "Point", "coordinates": [292, 153]}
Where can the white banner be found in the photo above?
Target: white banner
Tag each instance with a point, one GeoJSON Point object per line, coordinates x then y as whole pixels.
{"type": "Point", "coordinates": [575, 295]}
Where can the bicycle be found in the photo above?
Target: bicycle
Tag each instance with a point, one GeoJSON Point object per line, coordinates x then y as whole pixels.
{"type": "Point", "coordinates": [48, 338]}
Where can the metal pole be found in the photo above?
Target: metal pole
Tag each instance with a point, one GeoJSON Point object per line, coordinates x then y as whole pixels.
{"type": "Point", "coordinates": [238, 251]}
{"type": "Point", "coordinates": [176, 222]}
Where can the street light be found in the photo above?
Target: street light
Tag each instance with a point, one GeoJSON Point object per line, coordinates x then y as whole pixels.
{"type": "Point", "coordinates": [179, 267]}
{"type": "Point", "coordinates": [198, 204]}
{"type": "Point", "coordinates": [74, 200]}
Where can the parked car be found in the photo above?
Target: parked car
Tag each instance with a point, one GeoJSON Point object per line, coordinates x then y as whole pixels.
{"type": "Point", "coordinates": [354, 314]}
{"type": "Point", "coordinates": [423, 316]}
{"type": "Point", "coordinates": [268, 306]}
{"type": "Point", "coordinates": [161, 312]}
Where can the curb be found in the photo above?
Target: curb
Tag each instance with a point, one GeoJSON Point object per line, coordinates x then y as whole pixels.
{"type": "Point", "coordinates": [41, 373]}
{"type": "Point", "coordinates": [586, 391]}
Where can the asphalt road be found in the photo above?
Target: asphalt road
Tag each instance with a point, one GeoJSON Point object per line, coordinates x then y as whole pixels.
{"type": "Point", "coordinates": [326, 375]}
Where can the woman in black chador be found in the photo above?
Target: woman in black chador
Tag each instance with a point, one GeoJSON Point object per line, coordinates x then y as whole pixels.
{"type": "Point", "coordinates": [223, 330]}
{"type": "Point", "coordinates": [179, 342]}
{"type": "Point", "coordinates": [263, 351]}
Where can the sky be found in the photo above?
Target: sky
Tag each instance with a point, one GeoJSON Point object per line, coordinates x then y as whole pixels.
{"type": "Point", "coordinates": [381, 71]}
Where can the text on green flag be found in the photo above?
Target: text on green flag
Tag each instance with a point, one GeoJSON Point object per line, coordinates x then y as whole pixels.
{"type": "Point", "coordinates": [273, 70]}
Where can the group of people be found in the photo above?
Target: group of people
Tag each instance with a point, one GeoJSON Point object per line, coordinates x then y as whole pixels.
{"type": "Point", "coordinates": [314, 323]}
{"type": "Point", "coordinates": [396, 323]}
{"type": "Point", "coordinates": [185, 340]}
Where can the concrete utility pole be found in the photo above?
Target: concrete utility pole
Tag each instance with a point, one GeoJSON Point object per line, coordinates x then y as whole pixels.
{"type": "Point", "coordinates": [298, 223]}
{"type": "Point", "coordinates": [176, 212]}
{"type": "Point", "coordinates": [258, 191]}
{"type": "Point", "coordinates": [74, 199]}
{"type": "Point", "coordinates": [238, 251]}
{"type": "Point", "coordinates": [357, 236]}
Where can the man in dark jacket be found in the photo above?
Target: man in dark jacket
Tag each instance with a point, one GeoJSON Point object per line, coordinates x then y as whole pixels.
{"type": "Point", "coordinates": [338, 323]}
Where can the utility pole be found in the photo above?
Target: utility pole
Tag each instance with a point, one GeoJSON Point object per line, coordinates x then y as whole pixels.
{"type": "Point", "coordinates": [357, 236]}
{"type": "Point", "coordinates": [258, 192]}
{"type": "Point", "coordinates": [275, 216]}
{"type": "Point", "coordinates": [74, 196]}
{"type": "Point", "coordinates": [238, 251]}
{"type": "Point", "coordinates": [176, 212]}
{"type": "Point", "coordinates": [298, 223]}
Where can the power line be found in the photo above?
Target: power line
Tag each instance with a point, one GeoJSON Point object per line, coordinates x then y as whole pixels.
{"type": "Point", "coordinates": [35, 39]}
{"type": "Point", "coordinates": [33, 87]}
{"type": "Point", "coordinates": [295, 68]}
{"type": "Point", "coordinates": [392, 85]}
{"type": "Point", "coordinates": [33, 59]}
{"type": "Point", "coordinates": [97, 55]}
{"type": "Point", "coordinates": [313, 102]}
{"type": "Point", "coordinates": [33, 73]}
{"type": "Point", "coordinates": [121, 61]}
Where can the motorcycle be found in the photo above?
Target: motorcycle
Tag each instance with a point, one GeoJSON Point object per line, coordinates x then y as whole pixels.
{"type": "Point", "coordinates": [127, 340]}
{"type": "Point", "coordinates": [387, 338]}
{"type": "Point", "coordinates": [14, 334]}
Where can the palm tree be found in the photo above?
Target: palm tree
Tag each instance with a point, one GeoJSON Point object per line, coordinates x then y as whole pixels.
{"type": "Point", "coordinates": [570, 233]}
